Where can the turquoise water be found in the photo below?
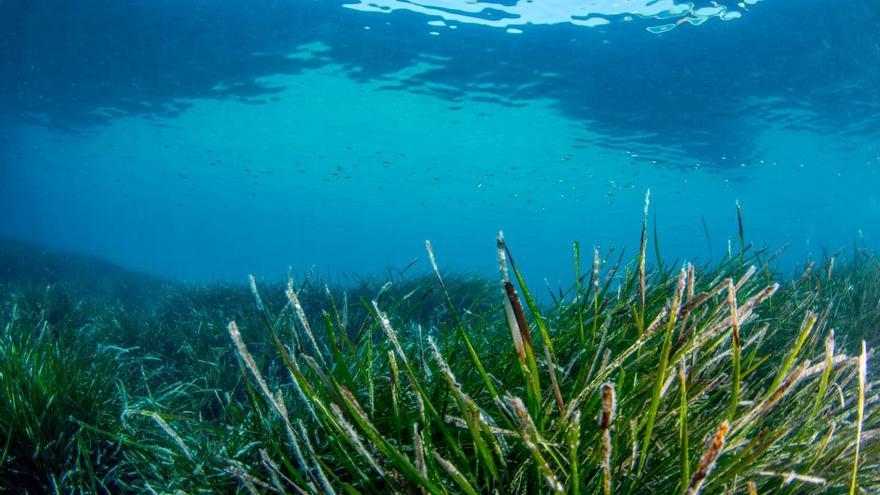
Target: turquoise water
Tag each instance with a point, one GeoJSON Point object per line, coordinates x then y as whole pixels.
{"type": "Point", "coordinates": [205, 139]}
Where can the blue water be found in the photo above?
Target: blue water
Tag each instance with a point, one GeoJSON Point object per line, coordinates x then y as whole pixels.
{"type": "Point", "coordinates": [198, 139]}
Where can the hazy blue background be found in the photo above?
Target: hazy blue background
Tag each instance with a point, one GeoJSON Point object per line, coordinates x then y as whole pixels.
{"type": "Point", "coordinates": [211, 138]}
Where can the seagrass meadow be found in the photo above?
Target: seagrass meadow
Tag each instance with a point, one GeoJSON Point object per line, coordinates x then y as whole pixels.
{"type": "Point", "coordinates": [727, 377]}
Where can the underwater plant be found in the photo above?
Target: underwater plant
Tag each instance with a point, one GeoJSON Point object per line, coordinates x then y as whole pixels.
{"type": "Point", "coordinates": [714, 378]}
{"type": "Point", "coordinates": [47, 385]}
{"type": "Point", "coordinates": [708, 380]}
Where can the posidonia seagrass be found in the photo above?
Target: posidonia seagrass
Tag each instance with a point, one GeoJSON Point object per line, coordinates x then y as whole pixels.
{"type": "Point", "coordinates": [716, 378]}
